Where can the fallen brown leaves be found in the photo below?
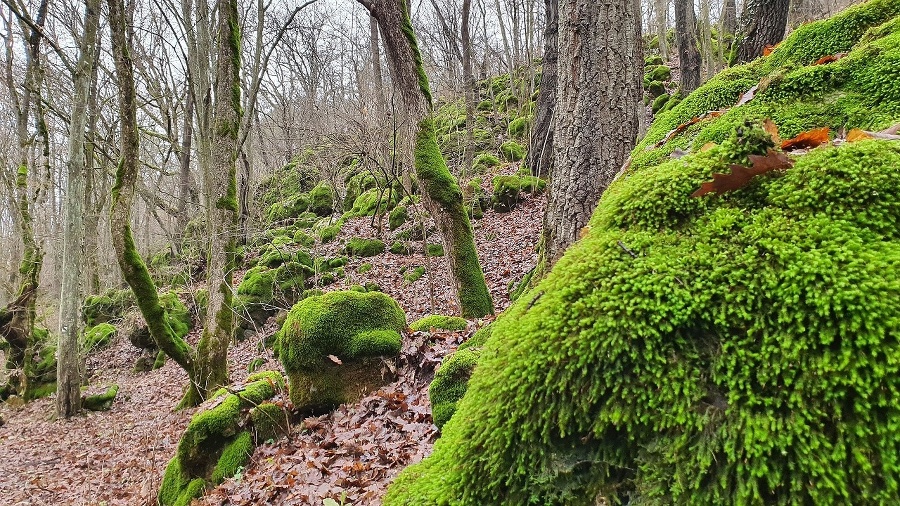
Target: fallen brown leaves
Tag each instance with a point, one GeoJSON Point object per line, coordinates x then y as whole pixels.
{"type": "Point", "coordinates": [740, 175]}
{"type": "Point", "coordinates": [807, 140]}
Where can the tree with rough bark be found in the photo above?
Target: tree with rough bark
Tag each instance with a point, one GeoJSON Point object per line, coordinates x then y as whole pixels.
{"type": "Point", "coordinates": [598, 93]}
{"type": "Point", "coordinates": [441, 193]}
{"type": "Point", "coordinates": [540, 149]}
{"type": "Point", "coordinates": [763, 23]}
{"type": "Point", "coordinates": [728, 19]}
{"type": "Point", "coordinates": [69, 358]}
{"type": "Point", "coordinates": [686, 39]}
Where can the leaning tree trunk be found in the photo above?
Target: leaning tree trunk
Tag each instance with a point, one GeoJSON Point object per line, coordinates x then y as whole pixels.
{"type": "Point", "coordinates": [600, 62]}
{"type": "Point", "coordinates": [763, 24]}
{"type": "Point", "coordinates": [69, 361]}
{"type": "Point", "coordinates": [540, 149]}
{"type": "Point", "coordinates": [441, 193]}
{"type": "Point", "coordinates": [686, 39]}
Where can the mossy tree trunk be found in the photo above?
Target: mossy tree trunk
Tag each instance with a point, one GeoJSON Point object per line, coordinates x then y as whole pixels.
{"type": "Point", "coordinates": [17, 319]}
{"type": "Point", "coordinates": [540, 149]}
{"type": "Point", "coordinates": [69, 361]}
{"type": "Point", "coordinates": [599, 89]}
{"type": "Point", "coordinates": [762, 24]}
{"type": "Point", "coordinates": [442, 195]}
{"type": "Point", "coordinates": [686, 39]}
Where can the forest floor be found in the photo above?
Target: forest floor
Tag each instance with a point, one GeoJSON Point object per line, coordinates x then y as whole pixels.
{"type": "Point", "coordinates": [118, 457]}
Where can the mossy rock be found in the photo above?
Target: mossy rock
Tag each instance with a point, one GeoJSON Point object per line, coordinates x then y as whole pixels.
{"type": "Point", "coordinates": [374, 201]}
{"type": "Point", "coordinates": [220, 438]}
{"type": "Point", "coordinates": [98, 336]}
{"type": "Point", "coordinates": [303, 238]}
{"type": "Point", "coordinates": [434, 250]}
{"type": "Point", "coordinates": [656, 89]}
{"type": "Point", "coordinates": [359, 329]}
{"type": "Point", "coordinates": [398, 217]}
{"type": "Point", "coordinates": [257, 285]}
{"type": "Point", "coordinates": [327, 234]}
{"type": "Point", "coordinates": [658, 73]}
{"type": "Point", "coordinates": [321, 200]}
{"type": "Point", "coordinates": [512, 151]}
{"type": "Point", "coordinates": [401, 248]}
{"type": "Point", "coordinates": [286, 209]}
{"type": "Point", "coordinates": [653, 60]}
{"type": "Point", "coordinates": [508, 189]}
{"type": "Point", "coordinates": [289, 282]}
{"type": "Point", "coordinates": [100, 402]}
{"type": "Point", "coordinates": [744, 354]}
{"type": "Point", "coordinates": [484, 162]}
{"type": "Point", "coordinates": [439, 322]}
{"type": "Point", "coordinates": [360, 247]}
{"type": "Point", "coordinates": [256, 297]}
{"type": "Point", "coordinates": [518, 128]}
{"type": "Point", "coordinates": [451, 380]}
{"type": "Point", "coordinates": [660, 102]}
{"type": "Point", "coordinates": [356, 185]}
{"type": "Point", "coordinates": [107, 307]}
{"type": "Point", "coordinates": [178, 315]}
{"type": "Point", "coordinates": [364, 268]}
{"type": "Point", "coordinates": [410, 276]}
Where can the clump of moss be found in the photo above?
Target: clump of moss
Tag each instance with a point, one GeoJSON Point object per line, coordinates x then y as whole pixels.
{"type": "Point", "coordinates": [439, 322]}
{"type": "Point", "coordinates": [660, 102]}
{"type": "Point", "coordinates": [518, 127]}
{"type": "Point", "coordinates": [219, 440]}
{"type": "Point", "coordinates": [398, 217]}
{"type": "Point", "coordinates": [360, 247]}
{"type": "Point", "coordinates": [452, 378]}
{"type": "Point", "coordinates": [356, 185]}
{"type": "Point", "coordinates": [290, 208]}
{"type": "Point", "coordinates": [321, 200]}
{"type": "Point", "coordinates": [658, 73]}
{"type": "Point", "coordinates": [303, 238]}
{"type": "Point", "coordinates": [400, 248]}
{"type": "Point", "coordinates": [289, 281]}
{"type": "Point", "coordinates": [101, 402]}
{"type": "Point", "coordinates": [512, 151]}
{"type": "Point", "coordinates": [98, 336]}
{"type": "Point", "coordinates": [352, 326]}
{"type": "Point", "coordinates": [257, 285]}
{"type": "Point", "coordinates": [508, 189]}
{"type": "Point", "coordinates": [730, 349]}
{"type": "Point", "coordinates": [364, 268]}
{"type": "Point", "coordinates": [327, 234]}
{"type": "Point", "coordinates": [410, 276]}
{"type": "Point", "coordinates": [107, 307]}
{"type": "Point", "coordinates": [434, 250]}
{"type": "Point", "coordinates": [484, 162]}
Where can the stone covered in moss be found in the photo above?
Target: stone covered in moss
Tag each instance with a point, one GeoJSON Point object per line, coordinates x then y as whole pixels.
{"type": "Point", "coordinates": [361, 247]}
{"type": "Point", "coordinates": [398, 217]}
{"type": "Point", "coordinates": [400, 248]}
{"type": "Point", "coordinates": [507, 190]}
{"type": "Point", "coordinates": [519, 127]}
{"type": "Point", "coordinates": [658, 73]}
{"type": "Point", "coordinates": [452, 378]}
{"type": "Point", "coordinates": [321, 200]}
{"type": "Point", "coordinates": [434, 250]}
{"type": "Point", "coordinates": [660, 102]}
{"type": "Point", "coordinates": [512, 151]}
{"type": "Point", "coordinates": [219, 439]}
{"type": "Point", "coordinates": [484, 162]}
{"type": "Point", "coordinates": [410, 276]}
{"type": "Point", "coordinates": [98, 336]}
{"type": "Point", "coordinates": [355, 186]}
{"type": "Point", "coordinates": [290, 208]}
{"type": "Point", "coordinates": [441, 322]}
{"type": "Point", "coordinates": [356, 328]}
{"type": "Point", "coordinates": [745, 353]}
{"type": "Point", "coordinates": [107, 307]}
{"type": "Point", "coordinates": [101, 402]}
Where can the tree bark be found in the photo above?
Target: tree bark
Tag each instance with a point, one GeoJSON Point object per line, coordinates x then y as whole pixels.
{"type": "Point", "coordinates": [376, 65]}
{"type": "Point", "coordinates": [69, 360]}
{"type": "Point", "coordinates": [662, 24]}
{"type": "Point", "coordinates": [763, 24]}
{"type": "Point", "coordinates": [540, 149]}
{"type": "Point", "coordinates": [184, 162]}
{"type": "Point", "coordinates": [728, 19]}
{"type": "Point", "coordinates": [442, 195]}
{"type": "Point", "coordinates": [600, 63]}
{"type": "Point", "coordinates": [686, 39]}
{"type": "Point", "coordinates": [469, 85]}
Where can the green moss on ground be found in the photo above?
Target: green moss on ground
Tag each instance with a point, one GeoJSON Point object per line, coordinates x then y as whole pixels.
{"type": "Point", "coordinates": [400, 248]}
{"type": "Point", "coordinates": [107, 307]}
{"type": "Point", "coordinates": [410, 276]}
{"type": "Point", "coordinates": [434, 250]}
{"type": "Point", "coordinates": [484, 162]}
{"type": "Point", "coordinates": [351, 326]}
{"type": "Point", "coordinates": [733, 349]}
{"type": "Point", "coordinates": [360, 247]}
{"type": "Point", "coordinates": [507, 190]}
{"type": "Point", "coordinates": [398, 217]}
{"type": "Point", "coordinates": [439, 322]}
{"type": "Point", "coordinates": [98, 336]}
{"type": "Point", "coordinates": [512, 151]}
{"type": "Point", "coordinates": [101, 402]}
{"type": "Point", "coordinates": [321, 199]}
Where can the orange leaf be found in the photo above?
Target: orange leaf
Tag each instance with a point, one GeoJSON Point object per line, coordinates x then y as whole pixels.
{"type": "Point", "coordinates": [857, 135]}
{"type": "Point", "coordinates": [740, 175]}
{"type": "Point", "coordinates": [830, 58]}
{"type": "Point", "coordinates": [768, 50]}
{"type": "Point", "coordinates": [706, 147]}
{"type": "Point", "coordinates": [684, 126]}
{"type": "Point", "coordinates": [808, 139]}
{"type": "Point", "coordinates": [772, 129]}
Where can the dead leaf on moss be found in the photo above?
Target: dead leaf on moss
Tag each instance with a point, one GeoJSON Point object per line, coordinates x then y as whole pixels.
{"type": "Point", "coordinates": [684, 126]}
{"type": "Point", "coordinates": [807, 140]}
{"type": "Point", "coordinates": [706, 147]}
{"type": "Point", "coordinates": [889, 134]}
{"type": "Point", "coordinates": [772, 129]}
{"type": "Point", "coordinates": [829, 58]}
{"type": "Point", "coordinates": [768, 49]}
{"type": "Point", "coordinates": [335, 360]}
{"type": "Point", "coordinates": [747, 96]}
{"type": "Point", "coordinates": [740, 175]}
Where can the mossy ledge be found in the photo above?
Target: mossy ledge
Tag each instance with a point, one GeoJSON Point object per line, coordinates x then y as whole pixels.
{"type": "Point", "coordinates": [733, 349]}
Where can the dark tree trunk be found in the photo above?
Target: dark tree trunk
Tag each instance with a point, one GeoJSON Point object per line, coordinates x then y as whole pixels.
{"type": "Point", "coordinates": [763, 24]}
{"type": "Point", "coordinates": [686, 40]}
{"type": "Point", "coordinates": [729, 17]}
{"type": "Point", "coordinates": [184, 161]}
{"type": "Point", "coordinates": [540, 149]}
{"type": "Point", "coordinates": [599, 88]}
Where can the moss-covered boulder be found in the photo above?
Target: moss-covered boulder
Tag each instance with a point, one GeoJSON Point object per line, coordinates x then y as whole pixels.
{"type": "Point", "coordinates": [518, 128]}
{"type": "Point", "coordinates": [440, 322]}
{"type": "Point", "coordinates": [716, 350]}
{"type": "Point", "coordinates": [355, 186]}
{"type": "Point", "coordinates": [452, 378]}
{"type": "Point", "coordinates": [177, 314]}
{"type": "Point", "coordinates": [512, 151]}
{"type": "Point", "coordinates": [484, 162]}
{"type": "Point", "coordinates": [221, 437]}
{"type": "Point", "coordinates": [398, 217]}
{"type": "Point", "coordinates": [288, 209]}
{"type": "Point", "coordinates": [100, 402]}
{"type": "Point", "coordinates": [98, 336]}
{"type": "Point", "coordinates": [321, 199]}
{"type": "Point", "coordinates": [508, 190]}
{"type": "Point", "coordinates": [333, 346]}
{"type": "Point", "coordinates": [107, 307]}
{"type": "Point", "coordinates": [658, 73]}
{"type": "Point", "coordinates": [361, 247]}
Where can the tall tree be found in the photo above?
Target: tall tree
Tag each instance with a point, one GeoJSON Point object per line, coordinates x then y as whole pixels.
{"type": "Point", "coordinates": [762, 24]}
{"type": "Point", "coordinates": [662, 21]}
{"type": "Point", "coordinates": [540, 149]}
{"type": "Point", "coordinates": [441, 193]}
{"type": "Point", "coordinates": [69, 362]}
{"type": "Point", "coordinates": [728, 18]}
{"type": "Point", "coordinates": [686, 40]}
{"type": "Point", "coordinates": [599, 88]}
{"type": "Point", "coordinates": [468, 83]}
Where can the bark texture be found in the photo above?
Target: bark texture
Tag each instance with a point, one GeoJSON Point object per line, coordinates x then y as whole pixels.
{"type": "Point", "coordinates": [69, 360]}
{"type": "Point", "coordinates": [540, 149]}
{"type": "Point", "coordinates": [763, 24]}
{"type": "Point", "coordinates": [442, 195]}
{"type": "Point", "coordinates": [686, 39]}
{"type": "Point", "coordinates": [728, 19]}
{"type": "Point", "coordinates": [599, 88]}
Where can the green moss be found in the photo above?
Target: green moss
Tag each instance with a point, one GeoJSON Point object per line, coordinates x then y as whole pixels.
{"type": "Point", "coordinates": [364, 268]}
{"type": "Point", "coordinates": [653, 60]}
{"type": "Point", "coordinates": [350, 325]}
{"type": "Point", "coordinates": [289, 282]}
{"type": "Point", "coordinates": [660, 102]}
{"type": "Point", "coordinates": [355, 186]}
{"type": "Point", "coordinates": [412, 275]}
{"type": "Point", "coordinates": [327, 234]}
{"type": "Point", "coordinates": [398, 217]}
{"type": "Point", "coordinates": [374, 201]}
{"type": "Point", "coordinates": [321, 200]}
{"type": "Point", "coordinates": [269, 420]}
{"type": "Point", "coordinates": [257, 285]}
{"type": "Point", "coordinates": [304, 239]}
{"type": "Point", "coordinates": [732, 349]}
{"type": "Point", "coordinates": [400, 248]}
{"type": "Point", "coordinates": [450, 384]}
{"type": "Point", "coordinates": [658, 73]}
{"type": "Point", "coordinates": [234, 456]}
{"type": "Point", "coordinates": [101, 402]}
{"type": "Point", "coordinates": [286, 209]}
{"type": "Point", "coordinates": [512, 151]}
{"type": "Point", "coordinates": [160, 360]}
{"type": "Point", "coordinates": [107, 307]}
{"type": "Point", "coordinates": [434, 250]}
{"type": "Point", "coordinates": [484, 162]}
{"type": "Point", "coordinates": [518, 127]}
{"type": "Point", "coordinates": [655, 89]}
{"type": "Point", "coordinates": [360, 247]}
{"type": "Point", "coordinates": [98, 336]}
{"type": "Point", "coordinates": [439, 322]}
{"type": "Point", "coordinates": [507, 190]}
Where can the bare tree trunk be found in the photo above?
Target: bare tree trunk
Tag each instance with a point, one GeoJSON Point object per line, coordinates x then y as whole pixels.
{"type": "Point", "coordinates": [728, 18]}
{"type": "Point", "coordinates": [686, 39]}
{"type": "Point", "coordinates": [662, 24]}
{"type": "Point", "coordinates": [69, 361]}
{"type": "Point", "coordinates": [376, 64]}
{"type": "Point", "coordinates": [468, 85]}
{"type": "Point", "coordinates": [184, 159]}
{"type": "Point", "coordinates": [442, 195]}
{"type": "Point", "coordinates": [540, 149]}
{"type": "Point", "coordinates": [763, 24]}
{"type": "Point", "coordinates": [600, 62]}
{"type": "Point", "coordinates": [93, 206]}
